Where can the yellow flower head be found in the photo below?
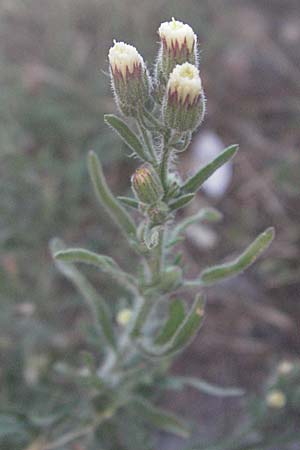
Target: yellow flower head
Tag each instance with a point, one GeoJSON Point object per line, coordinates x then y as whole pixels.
{"type": "Point", "coordinates": [176, 35]}
{"type": "Point", "coordinates": [276, 399]}
{"type": "Point", "coordinates": [124, 316]}
{"type": "Point", "coordinates": [184, 85]}
{"type": "Point", "coordinates": [125, 60]}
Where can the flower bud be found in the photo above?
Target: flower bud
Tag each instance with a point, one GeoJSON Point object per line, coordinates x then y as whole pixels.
{"type": "Point", "coordinates": [178, 45]}
{"type": "Point", "coordinates": [184, 103]}
{"type": "Point", "coordinates": [146, 185]}
{"type": "Point", "coordinates": [130, 79]}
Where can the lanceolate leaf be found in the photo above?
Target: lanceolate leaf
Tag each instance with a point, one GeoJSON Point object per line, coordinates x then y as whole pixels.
{"type": "Point", "coordinates": [94, 301]}
{"type": "Point", "coordinates": [104, 263]}
{"type": "Point", "coordinates": [206, 387]}
{"type": "Point", "coordinates": [183, 335]}
{"type": "Point", "coordinates": [160, 418]}
{"type": "Point", "coordinates": [194, 183]}
{"type": "Point", "coordinates": [128, 136]}
{"type": "Point", "coordinates": [218, 273]}
{"type": "Point", "coordinates": [107, 199]}
{"type": "Point", "coordinates": [129, 201]}
{"type": "Point", "coordinates": [176, 316]}
{"type": "Point", "coordinates": [180, 202]}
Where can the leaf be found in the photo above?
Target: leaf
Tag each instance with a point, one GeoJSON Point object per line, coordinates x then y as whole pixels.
{"type": "Point", "coordinates": [180, 202]}
{"type": "Point", "coordinates": [182, 337]}
{"type": "Point", "coordinates": [104, 263]}
{"type": "Point", "coordinates": [127, 135]}
{"type": "Point", "coordinates": [208, 388]}
{"type": "Point", "coordinates": [81, 255]}
{"type": "Point", "coordinates": [220, 272]}
{"type": "Point", "coordinates": [160, 418]}
{"type": "Point", "coordinates": [196, 181]}
{"type": "Point", "coordinates": [176, 316]}
{"type": "Point", "coordinates": [94, 301]}
{"type": "Point", "coordinates": [129, 201]}
{"type": "Point", "coordinates": [107, 199]}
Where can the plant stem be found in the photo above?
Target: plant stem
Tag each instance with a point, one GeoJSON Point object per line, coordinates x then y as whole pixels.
{"type": "Point", "coordinates": [145, 304]}
{"type": "Point", "coordinates": [164, 165]}
{"type": "Point", "coordinates": [143, 309]}
{"type": "Point", "coordinates": [147, 141]}
{"type": "Point", "coordinates": [69, 437]}
{"type": "Point", "coordinates": [158, 257]}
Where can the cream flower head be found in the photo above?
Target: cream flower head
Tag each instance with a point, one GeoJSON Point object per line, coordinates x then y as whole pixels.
{"type": "Point", "coordinates": [276, 399]}
{"type": "Point", "coordinates": [185, 83]}
{"type": "Point", "coordinates": [176, 34]}
{"type": "Point", "coordinates": [124, 59]}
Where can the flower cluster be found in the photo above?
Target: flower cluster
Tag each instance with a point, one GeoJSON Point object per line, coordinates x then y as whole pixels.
{"type": "Point", "coordinates": [176, 84]}
{"type": "Point", "coordinates": [178, 44]}
{"type": "Point", "coordinates": [140, 341]}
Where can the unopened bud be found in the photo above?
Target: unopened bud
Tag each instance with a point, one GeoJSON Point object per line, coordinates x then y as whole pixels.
{"type": "Point", "coordinates": [130, 79]}
{"type": "Point", "coordinates": [184, 103]}
{"type": "Point", "coordinates": [146, 185]}
{"type": "Point", "coordinates": [178, 45]}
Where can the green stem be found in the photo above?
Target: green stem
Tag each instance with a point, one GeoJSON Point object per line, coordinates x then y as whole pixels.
{"type": "Point", "coordinates": [158, 257]}
{"type": "Point", "coordinates": [146, 139]}
{"type": "Point", "coordinates": [164, 166]}
{"type": "Point", "coordinates": [145, 304]}
{"type": "Point", "coordinates": [143, 310]}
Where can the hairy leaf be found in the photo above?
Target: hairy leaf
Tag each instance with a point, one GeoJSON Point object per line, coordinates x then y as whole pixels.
{"type": "Point", "coordinates": [196, 181]}
{"type": "Point", "coordinates": [127, 135]}
{"type": "Point", "coordinates": [160, 418]}
{"type": "Point", "coordinates": [93, 299]}
{"type": "Point", "coordinates": [107, 199]}
{"type": "Point", "coordinates": [218, 273]}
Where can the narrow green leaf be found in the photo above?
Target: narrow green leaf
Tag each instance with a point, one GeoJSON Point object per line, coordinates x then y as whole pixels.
{"type": "Point", "coordinates": [129, 201]}
{"type": "Point", "coordinates": [209, 388]}
{"type": "Point", "coordinates": [176, 316]}
{"type": "Point", "coordinates": [81, 255]}
{"type": "Point", "coordinates": [182, 337]}
{"type": "Point", "coordinates": [127, 135]}
{"type": "Point", "coordinates": [189, 327]}
{"type": "Point", "coordinates": [159, 418]}
{"type": "Point", "coordinates": [194, 183]}
{"type": "Point", "coordinates": [220, 272]}
{"type": "Point", "coordinates": [104, 263]}
{"type": "Point", "coordinates": [107, 199]}
{"type": "Point", "coordinates": [180, 202]}
{"type": "Point", "coordinates": [94, 301]}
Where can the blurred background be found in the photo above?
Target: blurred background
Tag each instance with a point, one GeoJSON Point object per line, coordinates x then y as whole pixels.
{"type": "Point", "coordinates": [54, 92]}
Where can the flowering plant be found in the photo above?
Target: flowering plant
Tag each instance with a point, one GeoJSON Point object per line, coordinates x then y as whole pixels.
{"type": "Point", "coordinates": [143, 338]}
